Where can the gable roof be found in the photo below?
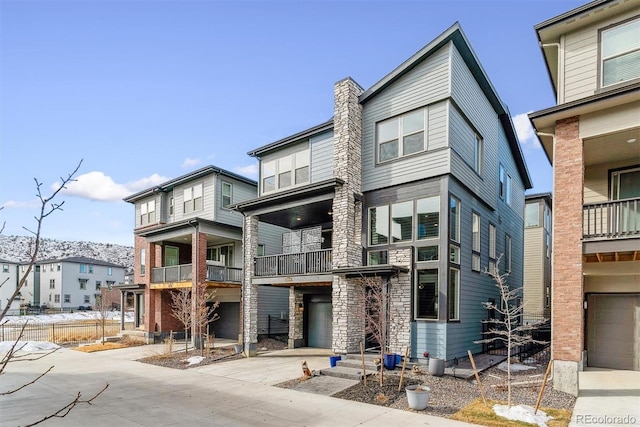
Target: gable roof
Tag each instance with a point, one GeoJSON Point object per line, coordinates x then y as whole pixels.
{"type": "Point", "coordinates": [79, 260]}
{"type": "Point", "coordinates": [322, 127]}
{"type": "Point", "coordinates": [207, 170]}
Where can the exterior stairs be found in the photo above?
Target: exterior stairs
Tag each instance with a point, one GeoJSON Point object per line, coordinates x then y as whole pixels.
{"type": "Point", "coordinates": [350, 367]}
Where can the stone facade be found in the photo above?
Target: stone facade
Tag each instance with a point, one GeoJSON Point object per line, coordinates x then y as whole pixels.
{"type": "Point", "coordinates": [296, 317]}
{"type": "Point", "coordinates": [400, 302]}
{"type": "Point", "coordinates": [249, 312]}
{"type": "Point", "coordinates": [567, 310]}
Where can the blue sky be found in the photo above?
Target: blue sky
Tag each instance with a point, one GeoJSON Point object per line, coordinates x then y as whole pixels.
{"type": "Point", "coordinates": [144, 91]}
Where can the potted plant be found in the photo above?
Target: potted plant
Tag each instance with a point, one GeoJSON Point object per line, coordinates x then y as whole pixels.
{"type": "Point", "coordinates": [417, 396]}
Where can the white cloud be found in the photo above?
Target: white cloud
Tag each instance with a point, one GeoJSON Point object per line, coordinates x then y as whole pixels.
{"type": "Point", "coordinates": [189, 162]}
{"type": "Point", "coordinates": [18, 204]}
{"type": "Point", "coordinates": [526, 134]}
{"type": "Point", "coordinates": [96, 185]}
{"type": "Point", "coordinates": [250, 171]}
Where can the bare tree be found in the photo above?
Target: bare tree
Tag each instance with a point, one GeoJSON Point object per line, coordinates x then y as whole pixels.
{"type": "Point", "coordinates": [102, 308]}
{"type": "Point", "coordinates": [375, 300]}
{"type": "Point", "coordinates": [181, 310]}
{"type": "Point", "coordinates": [204, 313]}
{"type": "Point", "coordinates": [507, 327]}
{"type": "Point", "coordinates": [47, 206]}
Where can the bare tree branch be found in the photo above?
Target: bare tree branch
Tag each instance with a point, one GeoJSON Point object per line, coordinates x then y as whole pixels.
{"type": "Point", "coordinates": [64, 411]}
{"type": "Point", "coordinates": [27, 384]}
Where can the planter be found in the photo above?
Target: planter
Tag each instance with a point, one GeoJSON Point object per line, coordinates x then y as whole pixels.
{"type": "Point", "coordinates": [237, 348]}
{"type": "Point", "coordinates": [398, 359]}
{"type": "Point", "coordinates": [417, 396]}
{"type": "Point", "coordinates": [333, 360]}
{"type": "Point", "coordinates": [436, 366]}
{"type": "Point", "coordinates": [390, 361]}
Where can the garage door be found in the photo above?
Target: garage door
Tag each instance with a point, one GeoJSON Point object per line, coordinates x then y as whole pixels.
{"type": "Point", "coordinates": [320, 324]}
{"type": "Point", "coordinates": [227, 326]}
{"type": "Point", "coordinates": [613, 331]}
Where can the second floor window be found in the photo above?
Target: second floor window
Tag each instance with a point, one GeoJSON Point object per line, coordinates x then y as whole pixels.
{"type": "Point", "coordinates": [477, 155]}
{"type": "Point", "coordinates": [401, 136]}
{"type": "Point", "coordinates": [404, 221]}
{"type": "Point", "coordinates": [5, 268]}
{"type": "Point", "coordinates": [507, 253]}
{"type": "Point", "coordinates": [286, 171]}
{"type": "Point", "coordinates": [227, 194]}
{"type": "Point", "coordinates": [52, 283]}
{"type": "Point", "coordinates": [475, 242]}
{"type": "Point", "coordinates": [492, 248]}
{"type": "Point", "coordinates": [147, 212]}
{"type": "Point", "coordinates": [109, 271]}
{"type": "Point", "coordinates": [143, 262]}
{"type": "Point", "coordinates": [532, 214]}
{"type": "Point", "coordinates": [620, 53]}
{"type": "Point", "coordinates": [193, 198]}
{"type": "Point", "coordinates": [83, 283]}
{"type": "Point", "coordinates": [98, 285]}
{"type": "Point", "coordinates": [84, 268]}
{"type": "Point", "coordinates": [505, 185]}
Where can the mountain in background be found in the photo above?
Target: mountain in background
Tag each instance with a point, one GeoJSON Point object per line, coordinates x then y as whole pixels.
{"type": "Point", "coordinates": [17, 248]}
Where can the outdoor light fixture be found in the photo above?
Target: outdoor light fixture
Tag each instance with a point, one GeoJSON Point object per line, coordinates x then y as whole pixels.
{"type": "Point", "coordinates": [631, 141]}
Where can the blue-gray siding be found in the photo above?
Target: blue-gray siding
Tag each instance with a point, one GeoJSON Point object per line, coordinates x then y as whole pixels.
{"type": "Point", "coordinates": [241, 191]}
{"type": "Point", "coordinates": [273, 301]}
{"type": "Point", "coordinates": [321, 157]}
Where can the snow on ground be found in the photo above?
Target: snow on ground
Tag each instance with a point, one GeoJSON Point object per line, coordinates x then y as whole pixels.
{"type": "Point", "coordinates": [67, 317]}
{"type": "Point", "coordinates": [522, 413]}
{"type": "Point", "coordinates": [5, 346]}
{"type": "Point", "coordinates": [194, 360]}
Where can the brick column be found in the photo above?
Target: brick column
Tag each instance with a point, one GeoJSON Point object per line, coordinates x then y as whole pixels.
{"type": "Point", "coordinates": [567, 309]}
{"type": "Point", "coordinates": [198, 274]}
{"type": "Point", "coordinates": [400, 302]}
{"type": "Point", "coordinates": [348, 328]}
{"type": "Point", "coordinates": [296, 332]}
{"type": "Point", "coordinates": [249, 312]}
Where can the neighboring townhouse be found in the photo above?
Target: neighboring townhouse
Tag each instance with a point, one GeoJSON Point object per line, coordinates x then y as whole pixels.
{"type": "Point", "coordinates": [537, 258]}
{"type": "Point", "coordinates": [186, 234]}
{"type": "Point", "coordinates": [10, 274]}
{"type": "Point", "coordinates": [73, 282]}
{"type": "Point", "coordinates": [418, 181]}
{"type": "Point", "coordinates": [592, 139]}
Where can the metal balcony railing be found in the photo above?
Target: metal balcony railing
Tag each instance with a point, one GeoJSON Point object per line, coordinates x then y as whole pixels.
{"type": "Point", "coordinates": [313, 262]}
{"type": "Point", "coordinates": [612, 219]}
{"type": "Point", "coordinates": [175, 273]}
{"type": "Point", "coordinates": [220, 273]}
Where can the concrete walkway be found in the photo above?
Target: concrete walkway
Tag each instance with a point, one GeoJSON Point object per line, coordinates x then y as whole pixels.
{"type": "Point", "coordinates": [233, 393]}
{"type": "Point", "coordinates": [607, 398]}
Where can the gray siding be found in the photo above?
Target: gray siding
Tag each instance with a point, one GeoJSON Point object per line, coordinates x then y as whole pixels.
{"type": "Point", "coordinates": [158, 209]}
{"type": "Point", "coordinates": [428, 337]}
{"type": "Point", "coordinates": [427, 84]}
{"type": "Point", "coordinates": [271, 237]}
{"type": "Point", "coordinates": [273, 301]}
{"type": "Point", "coordinates": [534, 268]}
{"type": "Point", "coordinates": [208, 199]}
{"type": "Point", "coordinates": [321, 157]}
{"type": "Point", "coordinates": [240, 192]}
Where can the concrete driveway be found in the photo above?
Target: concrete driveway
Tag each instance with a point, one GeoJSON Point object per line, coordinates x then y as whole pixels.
{"type": "Point", "coordinates": [233, 393]}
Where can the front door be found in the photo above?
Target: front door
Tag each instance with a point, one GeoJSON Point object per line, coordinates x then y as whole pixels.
{"type": "Point", "coordinates": [171, 256]}
{"type": "Point", "coordinates": [320, 322]}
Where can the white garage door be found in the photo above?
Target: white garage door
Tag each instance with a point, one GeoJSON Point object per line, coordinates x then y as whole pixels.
{"type": "Point", "coordinates": [613, 331]}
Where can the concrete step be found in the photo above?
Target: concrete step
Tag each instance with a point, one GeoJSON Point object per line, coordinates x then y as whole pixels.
{"type": "Point", "coordinates": [357, 364]}
{"type": "Point", "coordinates": [342, 372]}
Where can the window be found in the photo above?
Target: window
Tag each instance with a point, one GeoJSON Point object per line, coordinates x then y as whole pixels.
{"type": "Point", "coordinates": [83, 283]}
{"type": "Point", "coordinates": [90, 269]}
{"type": "Point", "coordinates": [508, 190]}
{"type": "Point", "coordinates": [56, 298]}
{"type": "Point", "coordinates": [110, 284]}
{"type": "Point", "coordinates": [379, 225]}
{"type": "Point", "coordinates": [87, 299]}
{"type": "Point", "coordinates": [548, 244]}
{"type": "Point", "coordinates": [222, 254]}
{"type": "Point", "coordinates": [83, 268]}
{"type": "Point", "coordinates": [98, 285]}
{"type": "Point", "coordinates": [171, 204]}
{"type": "Point", "coordinates": [532, 214]}
{"type": "Point", "coordinates": [547, 218]}
{"type": "Point", "coordinates": [620, 53]}
{"type": "Point", "coordinates": [428, 217]}
{"type": "Point", "coordinates": [453, 295]}
{"type": "Point", "coordinates": [427, 253]}
{"type": "Point", "coordinates": [507, 253]}
{"type": "Point", "coordinates": [477, 155]}
{"type": "Point", "coordinates": [286, 171]}
{"type": "Point", "coordinates": [505, 185]}
{"type": "Point", "coordinates": [143, 261]}
{"type": "Point", "coordinates": [401, 221]}
{"type": "Point", "coordinates": [148, 212]}
{"type": "Point", "coordinates": [261, 250]}
{"type": "Point", "coordinates": [52, 283]}
{"type": "Point", "coordinates": [50, 267]}
{"type": "Point", "coordinates": [5, 268]}
{"type": "Point", "coordinates": [426, 292]}
{"type": "Point", "coordinates": [401, 136]}
{"type": "Point", "coordinates": [109, 271]}
{"type": "Point", "coordinates": [475, 242]}
{"type": "Point", "coordinates": [192, 198]}
{"type": "Point", "coordinates": [67, 298]}
{"type": "Point", "coordinates": [492, 248]}
{"type": "Point", "coordinates": [58, 267]}
{"type": "Point", "coordinates": [227, 194]}
{"type": "Point", "coordinates": [454, 254]}
{"type": "Point", "coordinates": [454, 219]}
{"type": "Point", "coordinates": [378, 258]}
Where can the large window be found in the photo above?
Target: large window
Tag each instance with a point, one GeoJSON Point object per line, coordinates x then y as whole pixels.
{"type": "Point", "coordinates": [222, 254]}
{"type": "Point", "coordinates": [492, 248]}
{"type": "Point", "coordinates": [475, 242]}
{"type": "Point", "coordinates": [620, 53]}
{"type": "Point", "coordinates": [505, 185]}
{"type": "Point", "coordinates": [192, 198]}
{"type": "Point", "coordinates": [454, 219]}
{"type": "Point", "coordinates": [453, 295]}
{"type": "Point", "coordinates": [532, 214]}
{"type": "Point", "coordinates": [394, 223]}
{"type": "Point", "coordinates": [227, 194]}
{"type": "Point", "coordinates": [401, 221]}
{"type": "Point", "coordinates": [143, 262]}
{"type": "Point", "coordinates": [286, 171]}
{"type": "Point", "coordinates": [379, 225]}
{"type": "Point", "coordinates": [401, 136]}
{"type": "Point", "coordinates": [428, 217]}
{"type": "Point", "coordinates": [427, 253]}
{"type": "Point", "coordinates": [426, 292]}
{"type": "Point", "coordinates": [148, 212]}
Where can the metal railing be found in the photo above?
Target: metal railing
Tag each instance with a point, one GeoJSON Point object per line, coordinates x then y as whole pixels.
{"type": "Point", "coordinates": [293, 264]}
{"type": "Point", "coordinates": [61, 333]}
{"type": "Point", "coordinates": [220, 273]}
{"type": "Point", "coordinates": [611, 219]}
{"type": "Point", "coordinates": [540, 331]}
{"type": "Point", "coordinates": [175, 273]}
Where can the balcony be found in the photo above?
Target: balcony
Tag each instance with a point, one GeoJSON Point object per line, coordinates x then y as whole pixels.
{"type": "Point", "coordinates": [182, 273]}
{"type": "Point", "coordinates": [614, 219]}
{"type": "Point", "coordinates": [220, 273]}
{"type": "Point", "coordinates": [314, 262]}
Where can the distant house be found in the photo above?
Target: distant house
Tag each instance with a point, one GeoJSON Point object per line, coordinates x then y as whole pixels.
{"type": "Point", "coordinates": [186, 234]}
{"type": "Point", "coordinates": [592, 138]}
{"type": "Point", "coordinates": [418, 181]}
{"type": "Point", "coordinates": [10, 274]}
{"type": "Point", "coordinates": [73, 282]}
{"type": "Point", "coordinates": [537, 257]}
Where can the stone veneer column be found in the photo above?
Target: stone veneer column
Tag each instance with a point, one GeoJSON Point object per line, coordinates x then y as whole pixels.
{"type": "Point", "coordinates": [400, 302]}
{"type": "Point", "coordinates": [249, 312]}
{"type": "Point", "coordinates": [567, 309]}
{"type": "Point", "coordinates": [348, 328]}
{"type": "Point", "coordinates": [296, 332]}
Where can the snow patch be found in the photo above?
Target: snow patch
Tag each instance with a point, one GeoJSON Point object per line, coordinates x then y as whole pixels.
{"type": "Point", "coordinates": [515, 367]}
{"type": "Point", "coordinates": [5, 346]}
{"type": "Point", "coordinates": [194, 360]}
{"type": "Point", "coordinates": [66, 317]}
{"type": "Point", "coordinates": [522, 413]}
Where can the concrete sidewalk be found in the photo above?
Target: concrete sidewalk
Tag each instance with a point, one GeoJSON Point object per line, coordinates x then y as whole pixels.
{"type": "Point", "coordinates": [233, 393]}
{"type": "Point", "coordinates": [607, 398]}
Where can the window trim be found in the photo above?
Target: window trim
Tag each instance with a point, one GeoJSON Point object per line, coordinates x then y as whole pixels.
{"type": "Point", "coordinates": [400, 135]}
{"type": "Point", "coordinates": [388, 207]}
{"type": "Point", "coordinates": [456, 237]}
{"type": "Point", "coordinates": [437, 295]}
{"type": "Point", "coordinates": [478, 154]}
{"type": "Point", "coordinates": [601, 59]}
{"type": "Point", "coordinates": [493, 236]}
{"type": "Point", "coordinates": [455, 318]}
{"type": "Point", "coordinates": [229, 196]}
{"type": "Point", "coordinates": [143, 261]}
{"type": "Point", "coordinates": [192, 200]}
{"type": "Point", "coordinates": [294, 158]}
{"type": "Point", "coordinates": [476, 241]}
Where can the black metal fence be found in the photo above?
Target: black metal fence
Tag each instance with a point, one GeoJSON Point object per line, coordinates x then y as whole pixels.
{"type": "Point", "coordinates": [68, 334]}
{"type": "Point", "coordinates": [540, 331]}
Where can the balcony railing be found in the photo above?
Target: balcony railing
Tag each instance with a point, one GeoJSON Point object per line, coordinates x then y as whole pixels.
{"type": "Point", "coordinates": [294, 264]}
{"type": "Point", "coordinates": [612, 219]}
{"type": "Point", "coordinates": [175, 273]}
{"type": "Point", "coordinates": [220, 273]}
